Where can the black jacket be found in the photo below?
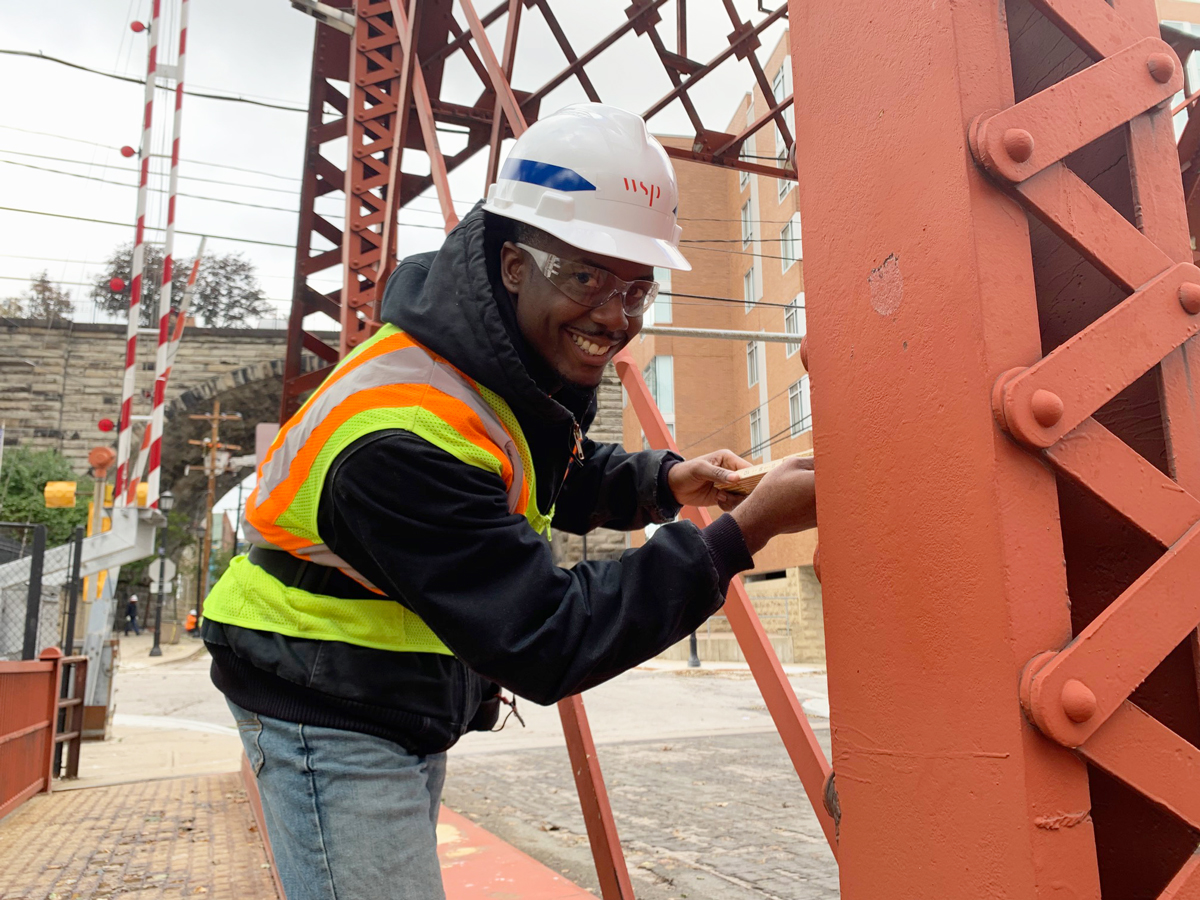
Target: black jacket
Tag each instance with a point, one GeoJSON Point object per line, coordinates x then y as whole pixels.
{"type": "Point", "coordinates": [436, 535]}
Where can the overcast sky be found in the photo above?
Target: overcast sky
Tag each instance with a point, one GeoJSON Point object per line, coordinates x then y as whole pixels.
{"type": "Point", "coordinates": [260, 50]}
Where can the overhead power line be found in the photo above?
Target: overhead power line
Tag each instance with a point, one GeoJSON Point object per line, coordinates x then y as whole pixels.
{"type": "Point", "coordinates": [778, 438]}
{"type": "Point", "coordinates": [135, 80]}
{"type": "Point", "coordinates": [196, 196]}
{"type": "Point", "coordinates": [194, 162]}
{"type": "Point", "coordinates": [125, 184]}
{"type": "Point", "coordinates": [733, 421]}
{"type": "Point", "coordinates": [734, 300]}
{"type": "Point", "coordinates": [234, 98]}
{"type": "Point", "coordinates": [291, 192]}
{"type": "Point", "coordinates": [215, 237]}
{"type": "Point", "coordinates": [89, 284]}
{"type": "Point", "coordinates": [56, 259]}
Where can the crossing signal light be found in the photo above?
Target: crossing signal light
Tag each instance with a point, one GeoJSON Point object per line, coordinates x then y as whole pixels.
{"type": "Point", "coordinates": [60, 494]}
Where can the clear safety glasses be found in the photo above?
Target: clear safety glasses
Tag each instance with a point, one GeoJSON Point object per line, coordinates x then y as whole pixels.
{"type": "Point", "coordinates": [592, 286]}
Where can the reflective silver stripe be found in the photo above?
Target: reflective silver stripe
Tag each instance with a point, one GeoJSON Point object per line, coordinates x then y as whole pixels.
{"type": "Point", "coordinates": [253, 535]}
{"type": "Point", "coordinates": [318, 554]}
{"type": "Point", "coordinates": [321, 555]}
{"type": "Point", "coordinates": [406, 365]}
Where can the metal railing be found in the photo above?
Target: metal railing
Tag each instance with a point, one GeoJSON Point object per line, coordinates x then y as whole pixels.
{"type": "Point", "coordinates": [32, 702]}
{"type": "Point", "coordinates": [22, 630]}
{"type": "Point", "coordinates": [38, 601]}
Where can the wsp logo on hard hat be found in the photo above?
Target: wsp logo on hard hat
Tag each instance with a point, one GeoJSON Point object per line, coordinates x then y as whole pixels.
{"type": "Point", "coordinates": [652, 191]}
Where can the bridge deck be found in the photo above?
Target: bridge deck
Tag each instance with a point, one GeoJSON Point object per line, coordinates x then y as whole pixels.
{"type": "Point", "coordinates": [196, 837]}
{"type": "Point", "coordinates": [176, 837]}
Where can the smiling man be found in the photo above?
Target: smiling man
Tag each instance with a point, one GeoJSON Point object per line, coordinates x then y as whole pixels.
{"type": "Point", "coordinates": [401, 574]}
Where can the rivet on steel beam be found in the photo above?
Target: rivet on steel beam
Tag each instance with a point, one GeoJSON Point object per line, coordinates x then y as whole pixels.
{"type": "Point", "coordinates": [1018, 144]}
{"type": "Point", "coordinates": [1047, 407]}
{"type": "Point", "coordinates": [1189, 297]}
{"type": "Point", "coordinates": [804, 352]}
{"type": "Point", "coordinates": [1078, 701]}
{"type": "Point", "coordinates": [1161, 67]}
{"type": "Point", "coordinates": [998, 395]}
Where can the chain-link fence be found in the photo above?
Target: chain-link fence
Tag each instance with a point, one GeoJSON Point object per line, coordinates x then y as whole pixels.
{"type": "Point", "coordinates": [33, 588]}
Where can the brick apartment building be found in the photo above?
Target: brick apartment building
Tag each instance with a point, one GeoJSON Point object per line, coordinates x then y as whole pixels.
{"type": "Point", "coordinates": [741, 233]}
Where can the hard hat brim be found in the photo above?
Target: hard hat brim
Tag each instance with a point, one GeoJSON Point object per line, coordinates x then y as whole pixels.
{"type": "Point", "coordinates": [606, 241]}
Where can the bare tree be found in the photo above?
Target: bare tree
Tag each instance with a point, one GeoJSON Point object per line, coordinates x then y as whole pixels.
{"type": "Point", "coordinates": [227, 293]}
{"type": "Point", "coordinates": [41, 300]}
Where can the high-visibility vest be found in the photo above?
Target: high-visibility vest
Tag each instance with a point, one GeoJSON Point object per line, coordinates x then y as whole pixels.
{"type": "Point", "coordinates": [389, 382]}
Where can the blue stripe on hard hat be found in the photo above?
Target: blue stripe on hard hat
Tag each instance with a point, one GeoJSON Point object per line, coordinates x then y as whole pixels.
{"type": "Point", "coordinates": [545, 175]}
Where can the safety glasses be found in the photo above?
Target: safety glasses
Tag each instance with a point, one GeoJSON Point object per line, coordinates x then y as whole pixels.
{"type": "Point", "coordinates": [592, 286]}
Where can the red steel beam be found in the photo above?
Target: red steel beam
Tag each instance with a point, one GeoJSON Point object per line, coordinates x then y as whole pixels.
{"type": "Point", "coordinates": [798, 738]}
{"type": "Point", "coordinates": [371, 62]}
{"type": "Point", "coordinates": [375, 70]}
{"type": "Point", "coordinates": [320, 177]}
{"type": "Point", "coordinates": [409, 72]}
{"type": "Point", "coordinates": [1186, 883]}
{"type": "Point", "coordinates": [506, 65]}
{"type": "Point", "coordinates": [593, 798]}
{"type": "Point", "coordinates": [499, 82]}
{"type": "Point", "coordinates": [567, 50]}
{"type": "Point", "coordinates": [940, 558]}
{"type": "Point", "coordinates": [585, 764]}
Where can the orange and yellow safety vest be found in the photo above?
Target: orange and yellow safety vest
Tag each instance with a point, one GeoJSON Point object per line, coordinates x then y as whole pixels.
{"type": "Point", "coordinates": [389, 382]}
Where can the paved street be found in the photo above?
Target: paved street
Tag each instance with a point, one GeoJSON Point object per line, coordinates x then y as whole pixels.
{"type": "Point", "coordinates": [705, 798]}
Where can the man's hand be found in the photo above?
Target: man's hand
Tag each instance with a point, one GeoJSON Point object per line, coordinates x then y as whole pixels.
{"type": "Point", "coordinates": [785, 501]}
{"type": "Point", "coordinates": [691, 481]}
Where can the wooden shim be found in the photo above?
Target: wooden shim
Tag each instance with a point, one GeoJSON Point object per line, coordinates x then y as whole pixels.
{"type": "Point", "coordinates": [753, 475]}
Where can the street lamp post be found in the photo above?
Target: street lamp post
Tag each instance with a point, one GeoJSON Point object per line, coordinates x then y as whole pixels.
{"type": "Point", "coordinates": [165, 501]}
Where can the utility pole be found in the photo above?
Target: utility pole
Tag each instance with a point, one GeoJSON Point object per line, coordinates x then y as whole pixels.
{"type": "Point", "coordinates": [214, 446]}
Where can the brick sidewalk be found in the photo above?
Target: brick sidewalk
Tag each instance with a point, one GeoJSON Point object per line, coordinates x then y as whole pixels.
{"type": "Point", "coordinates": [177, 837]}
{"type": "Point", "coordinates": [197, 837]}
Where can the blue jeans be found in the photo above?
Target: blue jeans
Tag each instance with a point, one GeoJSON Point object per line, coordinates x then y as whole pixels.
{"type": "Point", "coordinates": [350, 816]}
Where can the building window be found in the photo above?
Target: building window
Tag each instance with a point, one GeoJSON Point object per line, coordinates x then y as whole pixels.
{"type": "Point", "coordinates": [800, 407]}
{"type": "Point", "coordinates": [779, 92]}
{"type": "Point", "coordinates": [752, 363]}
{"type": "Point", "coordinates": [659, 312]}
{"type": "Point", "coordinates": [744, 153]}
{"type": "Point", "coordinates": [788, 245]}
{"type": "Point", "coordinates": [747, 224]}
{"type": "Point", "coordinates": [660, 379]}
{"type": "Point", "coordinates": [748, 288]}
{"type": "Point", "coordinates": [785, 184]}
{"type": "Point", "coordinates": [756, 435]}
{"type": "Point", "coordinates": [796, 237]}
{"type": "Point", "coordinates": [795, 322]}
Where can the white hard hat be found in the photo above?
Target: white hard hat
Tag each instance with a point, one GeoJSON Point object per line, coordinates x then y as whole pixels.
{"type": "Point", "coordinates": [594, 177]}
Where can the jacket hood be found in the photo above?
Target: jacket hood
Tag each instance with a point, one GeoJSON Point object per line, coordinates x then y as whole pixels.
{"type": "Point", "coordinates": [454, 303]}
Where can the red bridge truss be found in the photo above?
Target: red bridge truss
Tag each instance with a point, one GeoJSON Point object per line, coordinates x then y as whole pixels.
{"type": "Point", "coordinates": [1004, 298]}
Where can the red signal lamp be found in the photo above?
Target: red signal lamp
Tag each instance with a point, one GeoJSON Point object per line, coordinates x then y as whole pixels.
{"type": "Point", "coordinates": [137, 27]}
{"type": "Point", "coordinates": [127, 151]}
{"type": "Point", "coordinates": [105, 424]}
{"type": "Point", "coordinates": [117, 285]}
